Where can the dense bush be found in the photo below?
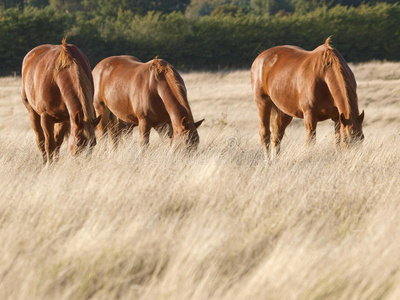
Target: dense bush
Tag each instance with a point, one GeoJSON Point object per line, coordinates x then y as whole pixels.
{"type": "Point", "coordinates": [210, 42]}
{"type": "Point", "coordinates": [21, 31]}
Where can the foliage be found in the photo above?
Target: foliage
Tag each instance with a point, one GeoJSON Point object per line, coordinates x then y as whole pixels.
{"type": "Point", "coordinates": [228, 38]}
{"type": "Point", "coordinates": [21, 31]}
{"type": "Point", "coordinates": [271, 7]}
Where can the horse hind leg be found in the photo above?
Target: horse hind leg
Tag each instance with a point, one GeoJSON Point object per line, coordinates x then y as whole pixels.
{"type": "Point", "coordinates": [103, 126]}
{"type": "Point", "coordinates": [144, 132]}
{"type": "Point", "coordinates": [35, 123]}
{"type": "Point", "coordinates": [310, 122]}
{"type": "Point", "coordinates": [108, 124]}
{"type": "Point", "coordinates": [264, 105]}
{"type": "Point", "coordinates": [279, 122]}
{"type": "Point", "coordinates": [117, 127]}
{"type": "Point", "coordinates": [48, 129]}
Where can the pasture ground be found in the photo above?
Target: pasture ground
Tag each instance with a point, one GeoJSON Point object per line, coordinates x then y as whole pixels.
{"type": "Point", "coordinates": [222, 224]}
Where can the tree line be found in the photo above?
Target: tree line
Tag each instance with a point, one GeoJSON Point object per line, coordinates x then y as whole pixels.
{"type": "Point", "coordinates": [191, 8]}
{"type": "Point", "coordinates": [219, 35]}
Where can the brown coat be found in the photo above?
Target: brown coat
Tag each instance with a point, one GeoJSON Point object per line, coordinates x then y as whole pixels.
{"type": "Point", "coordinates": [314, 85]}
{"type": "Point", "coordinates": [57, 90]}
{"type": "Point", "coordinates": [145, 94]}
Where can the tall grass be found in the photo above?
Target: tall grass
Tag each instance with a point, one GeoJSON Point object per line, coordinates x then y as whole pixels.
{"type": "Point", "coordinates": [219, 224]}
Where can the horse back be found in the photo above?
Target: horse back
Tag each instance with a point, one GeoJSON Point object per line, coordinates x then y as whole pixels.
{"type": "Point", "coordinates": [127, 87]}
{"type": "Point", "coordinates": [278, 65]}
{"type": "Point", "coordinates": [287, 74]}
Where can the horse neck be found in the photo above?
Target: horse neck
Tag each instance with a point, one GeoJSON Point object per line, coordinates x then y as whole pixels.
{"type": "Point", "coordinates": [76, 82]}
{"type": "Point", "coordinates": [175, 101]}
{"type": "Point", "coordinates": [76, 98]}
{"type": "Point", "coordinates": [176, 111]}
{"type": "Point", "coordinates": [342, 86]}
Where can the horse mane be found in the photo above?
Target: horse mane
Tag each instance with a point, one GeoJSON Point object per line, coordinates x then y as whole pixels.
{"type": "Point", "coordinates": [85, 94]}
{"type": "Point", "coordinates": [158, 68]}
{"type": "Point", "coordinates": [171, 75]}
{"type": "Point", "coordinates": [331, 59]}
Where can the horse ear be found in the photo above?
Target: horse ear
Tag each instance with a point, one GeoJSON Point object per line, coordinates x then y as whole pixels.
{"type": "Point", "coordinates": [185, 123]}
{"type": "Point", "coordinates": [198, 123]}
{"type": "Point", "coordinates": [342, 119]}
{"type": "Point", "coordinates": [77, 118]}
{"type": "Point", "coordinates": [361, 117]}
{"type": "Point", "coordinates": [96, 121]}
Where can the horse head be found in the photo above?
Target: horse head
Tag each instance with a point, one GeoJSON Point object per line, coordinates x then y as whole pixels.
{"type": "Point", "coordinates": [351, 130]}
{"type": "Point", "coordinates": [186, 134]}
{"type": "Point", "coordinates": [82, 133]}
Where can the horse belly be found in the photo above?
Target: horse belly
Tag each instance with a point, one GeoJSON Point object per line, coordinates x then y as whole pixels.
{"type": "Point", "coordinates": [119, 104]}
{"type": "Point", "coordinates": [124, 113]}
{"type": "Point", "coordinates": [131, 118]}
{"type": "Point", "coordinates": [288, 104]}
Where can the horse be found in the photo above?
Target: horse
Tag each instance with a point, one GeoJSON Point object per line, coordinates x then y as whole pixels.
{"type": "Point", "coordinates": [57, 90]}
{"type": "Point", "coordinates": [288, 81]}
{"type": "Point", "coordinates": [129, 92]}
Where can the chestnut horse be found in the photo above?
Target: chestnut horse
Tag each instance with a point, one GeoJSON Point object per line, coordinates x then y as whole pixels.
{"type": "Point", "coordinates": [57, 90]}
{"type": "Point", "coordinates": [148, 95]}
{"type": "Point", "coordinates": [314, 85]}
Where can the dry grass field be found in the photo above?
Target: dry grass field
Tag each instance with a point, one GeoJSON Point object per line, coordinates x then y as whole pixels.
{"type": "Point", "coordinates": [221, 224]}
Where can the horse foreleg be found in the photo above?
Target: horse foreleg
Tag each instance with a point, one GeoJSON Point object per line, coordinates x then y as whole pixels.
{"type": "Point", "coordinates": [164, 131]}
{"type": "Point", "coordinates": [310, 123]}
{"type": "Point", "coordinates": [48, 130]}
{"type": "Point", "coordinates": [60, 130]}
{"type": "Point", "coordinates": [279, 122]}
{"type": "Point", "coordinates": [144, 132]}
{"type": "Point", "coordinates": [337, 133]}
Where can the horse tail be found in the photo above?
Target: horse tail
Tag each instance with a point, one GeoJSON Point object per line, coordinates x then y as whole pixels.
{"type": "Point", "coordinates": [84, 86]}
{"type": "Point", "coordinates": [174, 80]}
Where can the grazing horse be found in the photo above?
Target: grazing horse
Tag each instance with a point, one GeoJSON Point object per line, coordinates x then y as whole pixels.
{"type": "Point", "coordinates": [314, 85]}
{"type": "Point", "coordinates": [57, 90]}
{"type": "Point", "coordinates": [148, 95]}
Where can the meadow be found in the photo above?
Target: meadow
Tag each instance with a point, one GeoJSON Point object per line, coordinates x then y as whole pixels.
{"type": "Point", "coordinates": [221, 224]}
